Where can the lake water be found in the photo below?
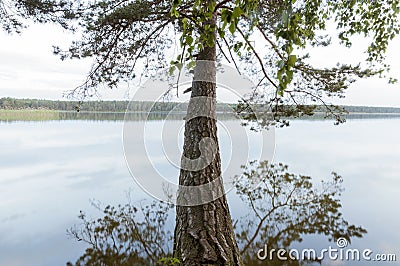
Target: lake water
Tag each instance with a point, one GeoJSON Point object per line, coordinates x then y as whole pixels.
{"type": "Point", "coordinates": [50, 170]}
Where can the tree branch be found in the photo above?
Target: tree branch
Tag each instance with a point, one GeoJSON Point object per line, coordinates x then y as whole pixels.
{"type": "Point", "coordinates": [258, 58]}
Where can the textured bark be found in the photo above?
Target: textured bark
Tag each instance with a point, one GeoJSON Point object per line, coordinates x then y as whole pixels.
{"type": "Point", "coordinates": [204, 233]}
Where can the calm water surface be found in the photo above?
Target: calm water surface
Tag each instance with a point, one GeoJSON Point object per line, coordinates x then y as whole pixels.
{"type": "Point", "coordinates": [51, 170]}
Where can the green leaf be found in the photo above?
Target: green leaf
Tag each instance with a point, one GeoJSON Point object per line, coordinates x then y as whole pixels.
{"type": "Point", "coordinates": [232, 27]}
{"type": "Point", "coordinates": [280, 91]}
{"type": "Point", "coordinates": [226, 16]}
{"type": "Point", "coordinates": [221, 33]}
{"type": "Point", "coordinates": [172, 70]}
{"type": "Point", "coordinates": [191, 64]}
{"type": "Point", "coordinates": [185, 23]}
{"type": "Point", "coordinates": [288, 47]}
{"type": "Point", "coordinates": [212, 5]}
{"type": "Point", "coordinates": [237, 12]}
{"type": "Point", "coordinates": [179, 66]}
{"type": "Point", "coordinates": [189, 40]}
{"type": "Point", "coordinates": [279, 75]}
{"type": "Point", "coordinates": [289, 75]}
{"type": "Point", "coordinates": [292, 60]}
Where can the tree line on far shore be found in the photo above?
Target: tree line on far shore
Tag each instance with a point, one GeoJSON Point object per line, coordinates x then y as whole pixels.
{"type": "Point", "coordinates": [7, 103]}
{"type": "Point", "coordinates": [97, 106]}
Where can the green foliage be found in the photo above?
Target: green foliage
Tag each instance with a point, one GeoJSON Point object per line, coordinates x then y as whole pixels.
{"type": "Point", "coordinates": [14, 14]}
{"type": "Point", "coordinates": [376, 19]}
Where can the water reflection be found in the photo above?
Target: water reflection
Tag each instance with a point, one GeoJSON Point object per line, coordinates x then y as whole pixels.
{"type": "Point", "coordinates": [283, 208]}
{"type": "Point", "coordinates": [125, 235]}
{"type": "Point", "coordinates": [48, 115]}
{"type": "Point", "coordinates": [26, 115]}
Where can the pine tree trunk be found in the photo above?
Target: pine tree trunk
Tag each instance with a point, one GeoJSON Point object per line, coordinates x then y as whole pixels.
{"type": "Point", "coordinates": [204, 233]}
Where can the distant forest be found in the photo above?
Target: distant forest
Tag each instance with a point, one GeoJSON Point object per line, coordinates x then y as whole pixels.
{"type": "Point", "coordinates": [98, 106]}
{"type": "Point", "coordinates": [139, 106]}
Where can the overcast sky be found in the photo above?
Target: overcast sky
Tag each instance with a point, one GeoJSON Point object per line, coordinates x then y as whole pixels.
{"type": "Point", "coordinates": [28, 69]}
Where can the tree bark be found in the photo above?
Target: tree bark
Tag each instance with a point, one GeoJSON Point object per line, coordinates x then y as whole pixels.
{"type": "Point", "coordinates": [204, 233]}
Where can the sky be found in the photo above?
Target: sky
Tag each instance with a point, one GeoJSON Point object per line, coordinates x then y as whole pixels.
{"type": "Point", "coordinates": [28, 68]}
